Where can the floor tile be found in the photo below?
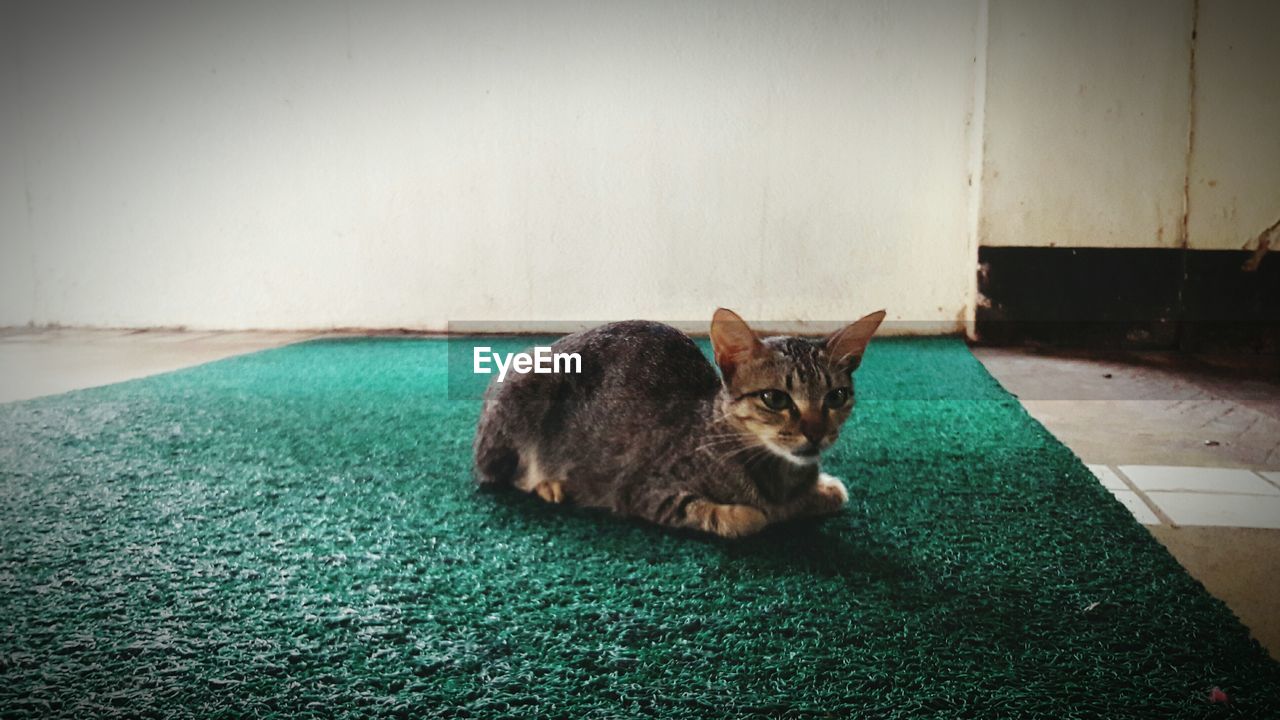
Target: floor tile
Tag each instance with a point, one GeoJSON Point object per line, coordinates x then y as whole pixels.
{"type": "Point", "coordinates": [1150, 478]}
{"type": "Point", "coordinates": [1274, 477]}
{"type": "Point", "coordinates": [1108, 477]}
{"type": "Point", "coordinates": [1140, 511]}
{"type": "Point", "coordinates": [1247, 511]}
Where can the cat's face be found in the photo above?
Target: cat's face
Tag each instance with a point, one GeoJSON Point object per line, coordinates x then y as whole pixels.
{"type": "Point", "coordinates": [791, 395]}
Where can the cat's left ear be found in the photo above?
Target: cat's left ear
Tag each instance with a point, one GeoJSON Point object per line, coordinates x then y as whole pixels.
{"type": "Point", "coordinates": [732, 340]}
{"type": "Point", "coordinates": [846, 345]}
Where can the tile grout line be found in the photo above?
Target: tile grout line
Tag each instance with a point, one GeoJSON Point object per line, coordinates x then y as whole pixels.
{"type": "Point", "coordinates": [1202, 491]}
{"type": "Point", "coordinates": [1266, 479]}
{"type": "Point", "coordinates": [1155, 509]}
{"type": "Point", "coordinates": [1186, 491]}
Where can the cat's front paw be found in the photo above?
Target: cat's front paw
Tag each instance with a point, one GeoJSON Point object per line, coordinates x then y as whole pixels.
{"type": "Point", "coordinates": [550, 490]}
{"type": "Point", "coordinates": [832, 490]}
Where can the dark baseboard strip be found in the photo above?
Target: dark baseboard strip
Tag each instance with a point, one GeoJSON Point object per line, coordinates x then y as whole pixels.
{"type": "Point", "coordinates": [1196, 301]}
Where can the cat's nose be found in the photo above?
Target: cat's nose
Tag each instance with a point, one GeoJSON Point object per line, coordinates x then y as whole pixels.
{"type": "Point", "coordinates": [813, 429]}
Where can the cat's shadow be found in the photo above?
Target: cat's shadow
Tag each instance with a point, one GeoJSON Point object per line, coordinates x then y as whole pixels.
{"type": "Point", "coordinates": [831, 547]}
{"type": "Point", "coordinates": [836, 546]}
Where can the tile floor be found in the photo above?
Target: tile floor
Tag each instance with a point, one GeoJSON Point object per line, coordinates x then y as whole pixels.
{"type": "Point", "coordinates": [1193, 453]}
{"type": "Point", "coordinates": [1175, 496]}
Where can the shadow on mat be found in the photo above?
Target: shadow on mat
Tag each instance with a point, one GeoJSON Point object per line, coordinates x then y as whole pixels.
{"type": "Point", "coordinates": [823, 547]}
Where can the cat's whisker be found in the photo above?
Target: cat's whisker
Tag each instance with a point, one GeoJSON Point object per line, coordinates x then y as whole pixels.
{"type": "Point", "coordinates": [728, 448]}
{"type": "Point", "coordinates": [723, 435]}
{"type": "Point", "coordinates": [761, 453]}
{"type": "Point", "coordinates": [721, 441]}
{"type": "Point", "coordinates": [753, 452]}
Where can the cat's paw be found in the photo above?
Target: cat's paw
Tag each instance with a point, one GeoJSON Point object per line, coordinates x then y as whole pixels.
{"type": "Point", "coordinates": [550, 490]}
{"type": "Point", "coordinates": [731, 521]}
{"type": "Point", "coordinates": [832, 490]}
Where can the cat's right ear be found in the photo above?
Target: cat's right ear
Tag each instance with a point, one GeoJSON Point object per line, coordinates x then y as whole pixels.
{"type": "Point", "coordinates": [732, 340]}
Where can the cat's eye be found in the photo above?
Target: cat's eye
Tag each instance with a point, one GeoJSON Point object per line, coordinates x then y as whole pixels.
{"type": "Point", "coordinates": [837, 398]}
{"type": "Point", "coordinates": [775, 400]}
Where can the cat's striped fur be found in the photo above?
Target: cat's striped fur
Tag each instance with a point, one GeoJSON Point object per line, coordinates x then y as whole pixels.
{"type": "Point", "coordinates": [648, 429]}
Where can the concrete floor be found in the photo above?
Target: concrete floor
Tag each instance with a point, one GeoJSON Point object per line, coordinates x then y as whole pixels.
{"type": "Point", "coordinates": [35, 362]}
{"type": "Point", "coordinates": [1194, 452]}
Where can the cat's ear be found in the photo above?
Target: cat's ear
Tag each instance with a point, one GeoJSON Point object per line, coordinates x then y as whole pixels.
{"type": "Point", "coordinates": [732, 340]}
{"type": "Point", "coordinates": [846, 345]}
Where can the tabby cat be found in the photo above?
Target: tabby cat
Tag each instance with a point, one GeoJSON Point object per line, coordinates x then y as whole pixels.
{"type": "Point", "coordinates": [649, 430]}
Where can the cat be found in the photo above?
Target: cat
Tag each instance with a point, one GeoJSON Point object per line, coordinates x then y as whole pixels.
{"type": "Point", "coordinates": [648, 429]}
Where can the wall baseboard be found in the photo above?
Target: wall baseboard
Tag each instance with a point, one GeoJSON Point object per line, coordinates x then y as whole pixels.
{"type": "Point", "coordinates": [1197, 301]}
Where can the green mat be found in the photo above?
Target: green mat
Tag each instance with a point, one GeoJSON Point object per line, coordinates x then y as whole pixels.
{"type": "Point", "coordinates": [295, 533]}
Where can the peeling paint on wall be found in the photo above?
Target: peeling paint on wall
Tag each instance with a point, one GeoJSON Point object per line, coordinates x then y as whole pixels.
{"type": "Point", "coordinates": [1263, 244]}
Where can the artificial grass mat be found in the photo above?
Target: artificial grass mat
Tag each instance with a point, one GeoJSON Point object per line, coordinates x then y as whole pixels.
{"type": "Point", "coordinates": [295, 533]}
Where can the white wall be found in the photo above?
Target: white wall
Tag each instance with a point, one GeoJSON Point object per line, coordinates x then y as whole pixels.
{"type": "Point", "coordinates": [1087, 119]}
{"type": "Point", "coordinates": [383, 164]}
{"type": "Point", "coordinates": [17, 276]}
{"type": "Point", "coordinates": [1097, 136]}
{"type": "Point", "coordinates": [1235, 159]}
